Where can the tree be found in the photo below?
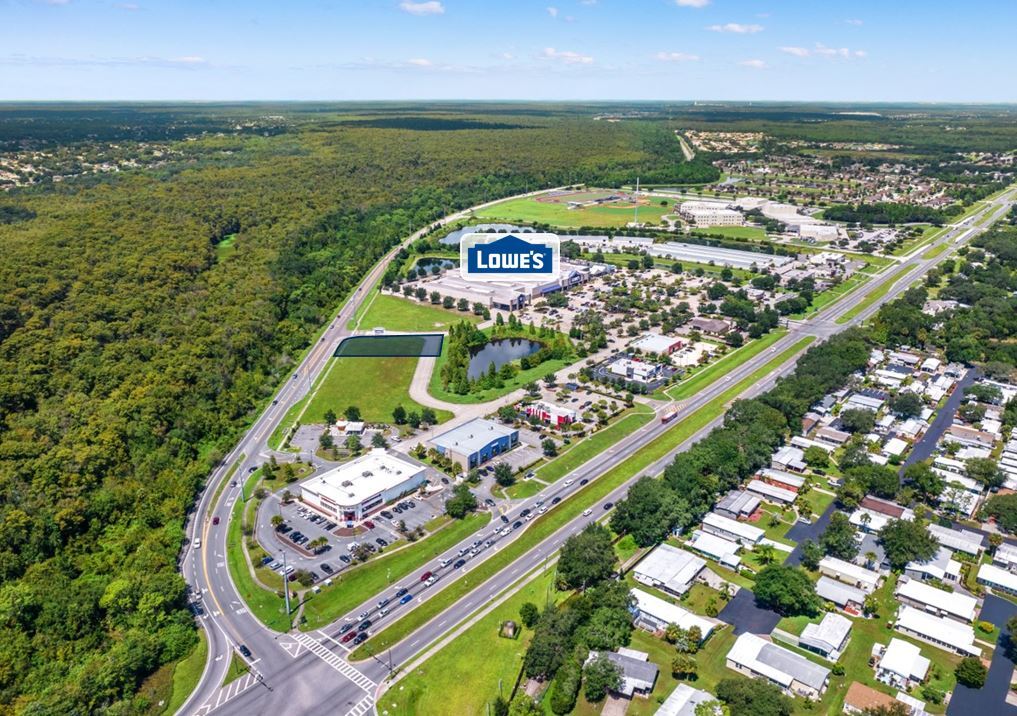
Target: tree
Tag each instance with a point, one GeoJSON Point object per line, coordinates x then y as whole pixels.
{"type": "Point", "coordinates": [816, 457]}
{"type": "Point", "coordinates": [428, 416]}
{"type": "Point", "coordinates": [906, 405]}
{"type": "Point", "coordinates": [812, 553]}
{"type": "Point", "coordinates": [904, 541]}
{"type": "Point", "coordinates": [277, 521]}
{"type": "Point", "coordinates": [753, 697]}
{"type": "Point", "coordinates": [926, 481]}
{"type": "Point", "coordinates": [683, 666]}
{"type": "Point", "coordinates": [550, 447]}
{"type": "Point", "coordinates": [503, 474]}
{"type": "Point", "coordinates": [566, 687]}
{"type": "Point", "coordinates": [650, 512]}
{"type": "Point", "coordinates": [352, 414]}
{"type": "Point", "coordinates": [378, 441]}
{"type": "Point", "coordinates": [326, 441]}
{"type": "Point", "coordinates": [330, 417]}
{"type": "Point", "coordinates": [765, 553]}
{"type": "Point", "coordinates": [523, 705]}
{"type": "Point", "coordinates": [461, 503]}
{"type": "Point", "coordinates": [839, 538]}
{"type": "Point", "coordinates": [586, 558]}
{"type": "Point", "coordinates": [858, 420]}
{"type": "Point", "coordinates": [1003, 508]}
{"type": "Point", "coordinates": [602, 675]}
{"type": "Point", "coordinates": [353, 443]}
{"type": "Point", "coordinates": [880, 480]}
{"type": "Point", "coordinates": [550, 379]}
{"type": "Point", "coordinates": [787, 590]}
{"type": "Point", "coordinates": [399, 415]}
{"type": "Point", "coordinates": [985, 470]}
{"type": "Point", "coordinates": [971, 672]}
{"type": "Point", "coordinates": [529, 614]}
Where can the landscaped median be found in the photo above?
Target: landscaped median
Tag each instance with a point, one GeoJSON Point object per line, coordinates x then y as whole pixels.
{"type": "Point", "coordinates": [352, 587]}
{"type": "Point", "coordinates": [871, 297]}
{"type": "Point", "coordinates": [547, 524]}
{"type": "Point", "coordinates": [692, 385]}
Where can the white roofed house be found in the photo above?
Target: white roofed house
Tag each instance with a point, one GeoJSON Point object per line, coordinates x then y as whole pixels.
{"type": "Point", "coordinates": [732, 529]}
{"type": "Point", "coordinates": [997, 578]}
{"type": "Point", "coordinates": [789, 458]}
{"type": "Point", "coordinates": [716, 548]}
{"type": "Point", "coordinates": [851, 574]}
{"type": "Point", "coordinates": [844, 596]}
{"type": "Point", "coordinates": [946, 633]}
{"type": "Point", "coordinates": [901, 664]}
{"type": "Point", "coordinates": [638, 673]}
{"type": "Point", "coordinates": [737, 504]}
{"type": "Point", "coordinates": [936, 601]}
{"type": "Point", "coordinates": [965, 541]}
{"type": "Point", "coordinates": [787, 480]}
{"type": "Point", "coordinates": [1005, 556]}
{"type": "Point", "coordinates": [669, 569]}
{"type": "Point", "coordinates": [793, 673]}
{"type": "Point", "coordinates": [771, 493]}
{"type": "Point", "coordinates": [683, 701]}
{"type": "Point", "coordinates": [654, 614]}
{"type": "Point", "coordinates": [829, 638]}
{"type": "Point", "coordinates": [942, 567]}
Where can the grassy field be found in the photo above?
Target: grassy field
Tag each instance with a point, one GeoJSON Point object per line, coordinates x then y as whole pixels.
{"type": "Point", "coordinates": [582, 450]}
{"type": "Point", "coordinates": [569, 509]}
{"type": "Point", "coordinates": [705, 376]}
{"type": "Point", "coordinates": [352, 587]}
{"type": "Point", "coordinates": [733, 232]}
{"type": "Point", "coordinates": [935, 251]}
{"type": "Point", "coordinates": [529, 210]}
{"type": "Point", "coordinates": [404, 314]}
{"type": "Point", "coordinates": [832, 295]}
{"type": "Point", "coordinates": [463, 678]}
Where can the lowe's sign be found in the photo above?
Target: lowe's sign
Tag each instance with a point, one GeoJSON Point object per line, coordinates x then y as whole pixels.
{"type": "Point", "coordinates": [509, 257]}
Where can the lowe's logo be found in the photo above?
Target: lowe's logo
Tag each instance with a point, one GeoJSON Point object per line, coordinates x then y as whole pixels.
{"type": "Point", "coordinates": [509, 257]}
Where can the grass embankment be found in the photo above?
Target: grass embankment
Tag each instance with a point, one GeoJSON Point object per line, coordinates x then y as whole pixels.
{"type": "Point", "coordinates": [569, 509]}
{"type": "Point", "coordinates": [705, 376]}
{"type": "Point", "coordinates": [463, 678]}
{"type": "Point", "coordinates": [168, 688]}
{"type": "Point", "coordinates": [530, 210]}
{"type": "Point", "coordinates": [582, 450]}
{"type": "Point", "coordinates": [351, 588]}
{"type": "Point", "coordinates": [396, 313]}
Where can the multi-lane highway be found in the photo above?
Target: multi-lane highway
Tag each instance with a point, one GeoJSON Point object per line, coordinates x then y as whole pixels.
{"type": "Point", "coordinates": [309, 673]}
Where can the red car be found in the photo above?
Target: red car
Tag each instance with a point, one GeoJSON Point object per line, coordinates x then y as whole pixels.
{"type": "Point", "coordinates": [348, 636]}
{"type": "Point", "coordinates": [215, 520]}
{"type": "Point", "coordinates": [368, 524]}
{"type": "Point", "coordinates": [425, 576]}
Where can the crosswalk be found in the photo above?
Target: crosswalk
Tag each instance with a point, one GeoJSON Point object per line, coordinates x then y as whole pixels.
{"type": "Point", "coordinates": [362, 706]}
{"type": "Point", "coordinates": [336, 662]}
{"type": "Point", "coordinates": [227, 693]}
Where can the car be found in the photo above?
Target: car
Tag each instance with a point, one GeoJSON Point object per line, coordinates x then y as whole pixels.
{"type": "Point", "coordinates": [530, 517]}
{"type": "Point", "coordinates": [364, 625]}
{"type": "Point", "coordinates": [360, 638]}
{"type": "Point", "coordinates": [330, 526]}
{"type": "Point", "coordinates": [525, 512]}
{"type": "Point", "coordinates": [517, 524]}
{"type": "Point", "coordinates": [368, 524]}
{"type": "Point", "coordinates": [386, 514]}
{"type": "Point", "coordinates": [411, 504]}
{"type": "Point", "coordinates": [504, 519]}
{"type": "Point", "coordinates": [587, 512]}
{"type": "Point", "coordinates": [569, 482]}
{"type": "Point", "coordinates": [539, 502]}
{"type": "Point", "coordinates": [314, 576]}
{"type": "Point", "coordinates": [383, 612]}
{"type": "Point", "coordinates": [349, 636]}
{"type": "Point", "coordinates": [406, 598]}
{"type": "Point", "coordinates": [401, 592]}
{"type": "Point", "coordinates": [291, 578]}
{"type": "Point", "coordinates": [276, 564]}
{"type": "Point", "coordinates": [531, 473]}
{"type": "Point", "coordinates": [433, 578]}
{"type": "Point", "coordinates": [267, 560]}
{"type": "Point", "coordinates": [445, 480]}
{"type": "Point", "coordinates": [608, 505]}
{"type": "Point", "coordinates": [425, 576]}
{"type": "Point", "coordinates": [382, 542]}
{"type": "Point", "coordinates": [244, 651]}
{"type": "Point", "coordinates": [555, 501]}
{"type": "Point", "coordinates": [489, 502]}
{"type": "Point", "coordinates": [251, 470]}
{"type": "Point", "coordinates": [362, 616]}
{"type": "Point", "coordinates": [584, 481]}
{"type": "Point", "coordinates": [215, 520]}
{"type": "Point", "coordinates": [383, 602]}
{"type": "Point", "coordinates": [370, 547]}
{"type": "Point", "coordinates": [196, 543]}
{"type": "Point", "coordinates": [284, 529]}
{"type": "Point", "coordinates": [459, 563]}
{"type": "Point", "coordinates": [326, 568]}
{"type": "Point", "coordinates": [397, 509]}
{"type": "Point", "coordinates": [344, 559]}
{"type": "Point", "coordinates": [505, 531]}
{"type": "Point", "coordinates": [275, 402]}
{"type": "Point", "coordinates": [543, 509]}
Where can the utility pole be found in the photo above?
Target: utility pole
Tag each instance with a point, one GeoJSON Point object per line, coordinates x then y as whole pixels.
{"type": "Point", "coordinates": [286, 585]}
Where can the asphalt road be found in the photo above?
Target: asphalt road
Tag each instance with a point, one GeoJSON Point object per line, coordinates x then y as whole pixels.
{"type": "Point", "coordinates": [297, 673]}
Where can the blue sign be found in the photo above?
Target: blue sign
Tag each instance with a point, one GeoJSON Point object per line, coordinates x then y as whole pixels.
{"type": "Point", "coordinates": [509, 256]}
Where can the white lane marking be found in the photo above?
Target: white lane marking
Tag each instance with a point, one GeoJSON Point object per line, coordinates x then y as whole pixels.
{"type": "Point", "coordinates": [362, 706]}
{"type": "Point", "coordinates": [335, 661]}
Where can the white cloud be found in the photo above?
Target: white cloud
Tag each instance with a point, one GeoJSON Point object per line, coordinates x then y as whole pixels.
{"type": "Point", "coordinates": [566, 56]}
{"type": "Point", "coordinates": [507, 56]}
{"type": "Point", "coordinates": [692, 3]}
{"type": "Point", "coordinates": [431, 7]}
{"type": "Point", "coordinates": [854, 21]}
{"type": "Point", "coordinates": [185, 62]}
{"type": "Point", "coordinates": [754, 64]}
{"type": "Point", "coordinates": [55, 2]}
{"type": "Point", "coordinates": [587, 2]}
{"type": "Point", "coordinates": [823, 51]}
{"type": "Point", "coordinates": [676, 57]}
{"type": "Point", "coordinates": [796, 51]}
{"type": "Point", "coordinates": [190, 60]}
{"type": "Point", "coordinates": [552, 11]}
{"type": "Point", "coordinates": [419, 62]}
{"type": "Point", "coordinates": [737, 28]}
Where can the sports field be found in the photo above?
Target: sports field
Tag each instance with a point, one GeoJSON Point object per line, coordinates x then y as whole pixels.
{"type": "Point", "coordinates": [555, 213]}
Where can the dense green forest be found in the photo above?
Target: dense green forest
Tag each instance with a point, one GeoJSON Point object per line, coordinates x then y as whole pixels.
{"type": "Point", "coordinates": [133, 350]}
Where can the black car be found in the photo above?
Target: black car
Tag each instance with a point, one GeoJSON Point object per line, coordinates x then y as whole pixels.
{"type": "Point", "coordinates": [284, 529]}
{"type": "Point", "coordinates": [346, 627]}
{"type": "Point", "coordinates": [555, 501]}
{"type": "Point", "coordinates": [401, 592]}
{"type": "Point", "coordinates": [525, 512]}
{"type": "Point", "coordinates": [244, 651]}
{"type": "Point", "coordinates": [517, 524]}
{"type": "Point", "coordinates": [314, 576]}
{"type": "Point", "coordinates": [608, 505]}
{"type": "Point", "coordinates": [364, 625]}
{"type": "Point", "coordinates": [584, 481]}
{"type": "Point", "coordinates": [445, 480]}
{"type": "Point", "coordinates": [326, 568]}
{"type": "Point", "coordinates": [459, 563]}
{"type": "Point", "coordinates": [386, 514]}
{"type": "Point", "coordinates": [344, 559]}
{"type": "Point", "coordinates": [382, 542]}
{"type": "Point", "coordinates": [410, 504]}
{"type": "Point", "coordinates": [397, 509]}
{"type": "Point", "coordinates": [504, 519]}
{"type": "Point", "coordinates": [361, 638]}
{"type": "Point", "coordinates": [330, 526]}
{"type": "Point", "coordinates": [489, 502]}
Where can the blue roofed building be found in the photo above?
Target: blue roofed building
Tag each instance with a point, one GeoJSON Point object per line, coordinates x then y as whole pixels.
{"type": "Point", "coordinates": [476, 442]}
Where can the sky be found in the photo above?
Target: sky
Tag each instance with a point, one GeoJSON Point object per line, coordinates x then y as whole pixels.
{"type": "Point", "coordinates": [809, 50]}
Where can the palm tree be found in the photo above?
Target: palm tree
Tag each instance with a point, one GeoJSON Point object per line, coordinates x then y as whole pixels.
{"type": "Point", "coordinates": [765, 553]}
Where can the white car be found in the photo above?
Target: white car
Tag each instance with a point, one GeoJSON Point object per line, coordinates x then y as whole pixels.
{"type": "Point", "coordinates": [587, 512]}
{"type": "Point", "coordinates": [197, 543]}
{"type": "Point", "coordinates": [569, 482]}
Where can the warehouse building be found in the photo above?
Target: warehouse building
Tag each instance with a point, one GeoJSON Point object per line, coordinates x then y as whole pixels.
{"type": "Point", "coordinates": [656, 343]}
{"type": "Point", "coordinates": [355, 489]}
{"type": "Point", "coordinates": [476, 442]}
{"type": "Point", "coordinates": [680, 251]}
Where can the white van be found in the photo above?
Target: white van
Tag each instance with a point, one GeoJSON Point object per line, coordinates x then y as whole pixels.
{"type": "Point", "coordinates": [445, 562]}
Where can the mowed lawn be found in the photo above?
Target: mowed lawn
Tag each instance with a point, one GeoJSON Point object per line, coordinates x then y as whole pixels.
{"type": "Point", "coordinates": [462, 678]}
{"type": "Point", "coordinates": [541, 212]}
{"type": "Point", "coordinates": [375, 385]}
{"type": "Point", "coordinates": [404, 314]}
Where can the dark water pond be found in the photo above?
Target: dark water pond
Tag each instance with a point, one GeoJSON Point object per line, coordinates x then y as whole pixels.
{"type": "Point", "coordinates": [499, 352]}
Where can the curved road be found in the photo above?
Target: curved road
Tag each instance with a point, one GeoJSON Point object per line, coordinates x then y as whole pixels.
{"type": "Point", "coordinates": [308, 673]}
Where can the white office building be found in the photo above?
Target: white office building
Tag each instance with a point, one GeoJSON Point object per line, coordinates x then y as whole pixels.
{"type": "Point", "coordinates": [355, 489]}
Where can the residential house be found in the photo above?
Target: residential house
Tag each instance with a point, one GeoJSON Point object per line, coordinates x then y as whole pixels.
{"type": "Point", "coordinates": [850, 574]}
{"type": "Point", "coordinates": [669, 569]}
{"type": "Point", "coordinates": [901, 664]}
{"type": "Point", "coordinates": [760, 659]}
{"type": "Point", "coordinates": [936, 601]}
{"type": "Point", "coordinates": [828, 638]}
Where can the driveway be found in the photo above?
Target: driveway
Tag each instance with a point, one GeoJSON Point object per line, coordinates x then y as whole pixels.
{"type": "Point", "coordinates": [743, 614]}
{"type": "Point", "coordinates": [991, 698]}
{"type": "Point", "coordinates": [801, 532]}
{"type": "Point", "coordinates": [944, 419]}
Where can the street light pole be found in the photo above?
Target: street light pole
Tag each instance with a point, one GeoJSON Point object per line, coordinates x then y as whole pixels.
{"type": "Point", "coordinates": [286, 585]}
